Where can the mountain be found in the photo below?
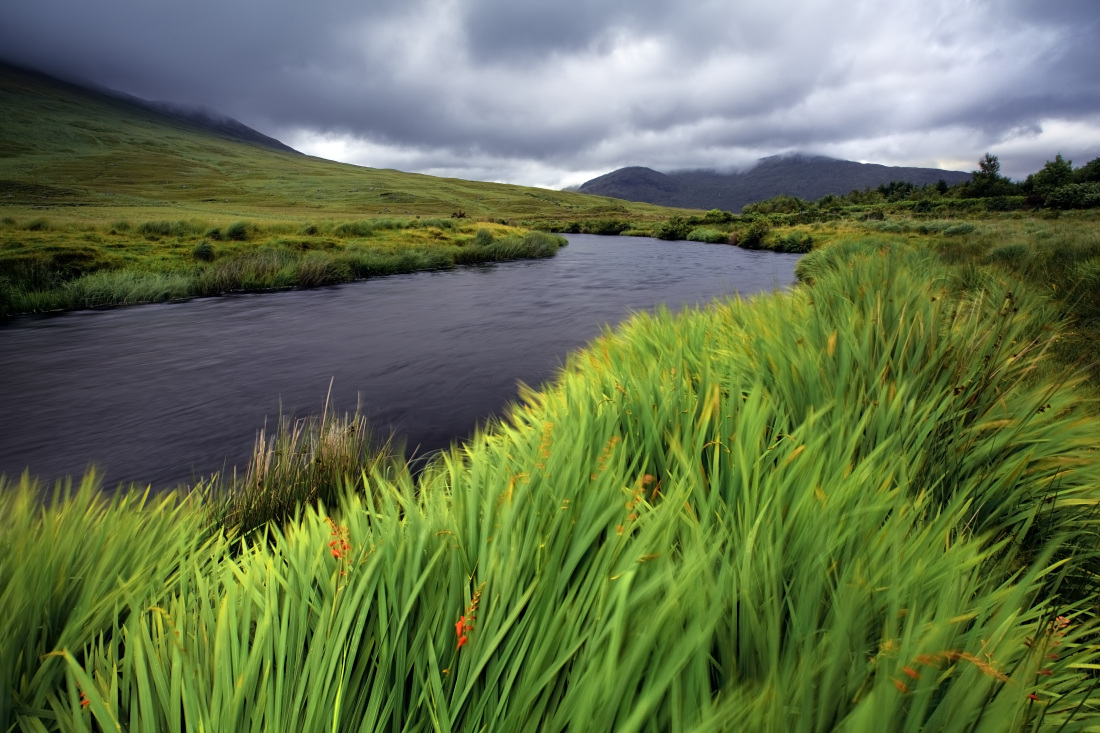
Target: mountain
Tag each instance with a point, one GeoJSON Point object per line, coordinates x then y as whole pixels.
{"type": "Point", "coordinates": [806, 176]}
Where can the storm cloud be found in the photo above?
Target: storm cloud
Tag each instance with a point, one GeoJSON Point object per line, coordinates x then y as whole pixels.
{"type": "Point", "coordinates": [556, 93]}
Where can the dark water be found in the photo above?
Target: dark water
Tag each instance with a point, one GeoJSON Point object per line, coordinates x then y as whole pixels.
{"type": "Point", "coordinates": [162, 393]}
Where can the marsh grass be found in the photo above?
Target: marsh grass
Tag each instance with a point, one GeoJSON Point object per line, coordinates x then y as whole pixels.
{"type": "Point", "coordinates": [48, 277]}
{"type": "Point", "coordinates": [303, 462]}
{"type": "Point", "coordinates": [853, 506]}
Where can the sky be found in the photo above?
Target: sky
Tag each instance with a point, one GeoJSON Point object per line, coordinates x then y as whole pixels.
{"type": "Point", "coordinates": [555, 93]}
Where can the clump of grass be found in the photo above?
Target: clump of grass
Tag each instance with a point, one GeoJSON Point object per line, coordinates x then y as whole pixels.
{"type": "Point", "coordinates": [203, 252]}
{"type": "Point", "coordinates": [39, 224]}
{"type": "Point", "coordinates": [711, 236]}
{"type": "Point", "coordinates": [156, 229]}
{"type": "Point", "coordinates": [305, 462]}
{"type": "Point", "coordinates": [354, 229]}
{"type": "Point", "coordinates": [483, 238]}
{"type": "Point", "coordinates": [317, 268]}
{"type": "Point", "coordinates": [237, 231]}
{"type": "Point", "coordinates": [956, 230]}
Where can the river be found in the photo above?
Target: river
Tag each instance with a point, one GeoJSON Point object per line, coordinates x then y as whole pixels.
{"type": "Point", "coordinates": [162, 393]}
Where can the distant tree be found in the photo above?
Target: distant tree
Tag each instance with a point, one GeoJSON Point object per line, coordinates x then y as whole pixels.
{"type": "Point", "coordinates": [989, 167]}
{"type": "Point", "coordinates": [941, 186]}
{"type": "Point", "coordinates": [1088, 173]}
{"type": "Point", "coordinates": [987, 180]}
{"type": "Point", "coordinates": [1055, 174]}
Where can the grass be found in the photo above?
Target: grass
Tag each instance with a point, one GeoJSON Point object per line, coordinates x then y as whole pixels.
{"type": "Point", "coordinates": [46, 272]}
{"type": "Point", "coordinates": [863, 504]}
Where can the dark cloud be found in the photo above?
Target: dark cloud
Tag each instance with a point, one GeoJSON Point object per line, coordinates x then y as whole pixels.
{"type": "Point", "coordinates": [549, 93]}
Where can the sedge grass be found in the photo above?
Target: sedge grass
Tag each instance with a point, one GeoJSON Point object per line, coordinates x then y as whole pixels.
{"type": "Point", "coordinates": [854, 506]}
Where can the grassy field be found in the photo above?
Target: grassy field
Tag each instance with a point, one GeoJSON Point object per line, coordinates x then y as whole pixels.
{"type": "Point", "coordinates": [869, 503]}
{"type": "Point", "coordinates": [103, 201]}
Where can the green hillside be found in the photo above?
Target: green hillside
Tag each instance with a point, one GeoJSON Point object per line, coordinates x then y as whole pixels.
{"type": "Point", "coordinates": [148, 204]}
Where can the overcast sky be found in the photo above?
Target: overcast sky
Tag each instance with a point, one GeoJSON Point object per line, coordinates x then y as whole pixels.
{"type": "Point", "coordinates": [554, 92]}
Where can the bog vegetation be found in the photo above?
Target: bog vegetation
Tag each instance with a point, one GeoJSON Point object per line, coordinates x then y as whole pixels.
{"type": "Point", "coordinates": [867, 503]}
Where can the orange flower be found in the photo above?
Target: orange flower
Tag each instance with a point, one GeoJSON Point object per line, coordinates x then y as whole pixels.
{"type": "Point", "coordinates": [913, 674]}
{"type": "Point", "coordinates": [84, 701]}
{"type": "Point", "coordinates": [465, 621]}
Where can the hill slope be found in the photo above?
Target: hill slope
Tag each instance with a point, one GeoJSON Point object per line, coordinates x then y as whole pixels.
{"type": "Point", "coordinates": [66, 145]}
{"type": "Point", "coordinates": [808, 177]}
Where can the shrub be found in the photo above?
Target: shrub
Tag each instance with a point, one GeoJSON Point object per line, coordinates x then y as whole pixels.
{"type": "Point", "coordinates": [674, 229]}
{"type": "Point", "coordinates": [752, 237]}
{"type": "Point", "coordinates": [1075, 196]}
{"type": "Point", "coordinates": [606, 227]}
{"type": "Point", "coordinates": [718, 216]}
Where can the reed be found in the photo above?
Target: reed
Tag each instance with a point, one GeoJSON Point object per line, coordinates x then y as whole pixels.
{"type": "Point", "coordinates": [860, 505]}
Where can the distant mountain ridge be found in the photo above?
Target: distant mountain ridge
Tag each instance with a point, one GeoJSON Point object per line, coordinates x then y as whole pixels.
{"type": "Point", "coordinates": [807, 176]}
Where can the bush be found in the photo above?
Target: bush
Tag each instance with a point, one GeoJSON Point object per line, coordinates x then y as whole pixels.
{"type": "Point", "coordinates": [1075, 196]}
{"type": "Point", "coordinates": [751, 237]}
{"type": "Point", "coordinates": [718, 216]}
{"type": "Point", "coordinates": [606, 227]}
{"type": "Point", "coordinates": [675, 228]}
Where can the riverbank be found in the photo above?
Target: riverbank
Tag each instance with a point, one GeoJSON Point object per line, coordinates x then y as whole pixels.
{"type": "Point", "coordinates": [50, 265]}
{"type": "Point", "coordinates": [869, 501]}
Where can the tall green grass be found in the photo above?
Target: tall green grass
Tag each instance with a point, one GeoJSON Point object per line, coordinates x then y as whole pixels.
{"type": "Point", "coordinates": [853, 507]}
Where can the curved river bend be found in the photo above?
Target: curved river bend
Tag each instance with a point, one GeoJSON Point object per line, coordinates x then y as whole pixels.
{"type": "Point", "coordinates": [163, 393]}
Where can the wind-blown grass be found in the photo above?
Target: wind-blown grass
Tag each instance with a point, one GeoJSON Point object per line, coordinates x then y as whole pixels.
{"type": "Point", "coordinates": [853, 506]}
